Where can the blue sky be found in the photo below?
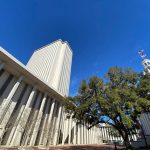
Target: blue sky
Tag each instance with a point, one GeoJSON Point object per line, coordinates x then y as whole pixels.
{"type": "Point", "coordinates": [102, 33]}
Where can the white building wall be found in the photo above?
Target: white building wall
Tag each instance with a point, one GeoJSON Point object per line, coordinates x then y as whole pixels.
{"type": "Point", "coordinates": [52, 64]}
{"type": "Point", "coordinates": [146, 65]}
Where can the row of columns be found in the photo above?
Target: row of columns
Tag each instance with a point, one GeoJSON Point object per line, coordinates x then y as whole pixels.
{"type": "Point", "coordinates": [44, 111]}
{"type": "Point", "coordinates": [30, 117]}
{"type": "Point", "coordinates": [107, 133]}
{"type": "Point", "coordinates": [76, 133]}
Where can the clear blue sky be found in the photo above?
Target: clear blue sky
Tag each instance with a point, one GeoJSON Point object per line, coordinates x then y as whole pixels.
{"type": "Point", "coordinates": [102, 33]}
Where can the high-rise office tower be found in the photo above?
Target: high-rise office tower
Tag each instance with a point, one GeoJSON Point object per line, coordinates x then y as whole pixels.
{"type": "Point", "coordinates": [52, 64]}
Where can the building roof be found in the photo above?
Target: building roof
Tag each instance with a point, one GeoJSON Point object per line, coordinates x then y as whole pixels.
{"type": "Point", "coordinates": [17, 68]}
{"type": "Point", "coordinates": [59, 40]}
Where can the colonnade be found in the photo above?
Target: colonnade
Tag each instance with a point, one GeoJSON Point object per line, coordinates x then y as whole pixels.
{"type": "Point", "coordinates": [27, 115]}
{"type": "Point", "coordinates": [77, 133]}
{"type": "Point", "coordinates": [30, 117]}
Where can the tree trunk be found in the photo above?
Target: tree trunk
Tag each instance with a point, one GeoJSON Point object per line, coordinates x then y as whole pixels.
{"type": "Point", "coordinates": [126, 141]}
{"type": "Point", "coordinates": [125, 137]}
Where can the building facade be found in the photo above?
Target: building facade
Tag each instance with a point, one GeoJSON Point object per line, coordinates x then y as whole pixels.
{"type": "Point", "coordinates": [32, 100]}
{"type": "Point", "coordinates": [52, 64]}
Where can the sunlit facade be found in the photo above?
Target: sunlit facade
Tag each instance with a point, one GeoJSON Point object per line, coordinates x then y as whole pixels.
{"type": "Point", "coordinates": [32, 100]}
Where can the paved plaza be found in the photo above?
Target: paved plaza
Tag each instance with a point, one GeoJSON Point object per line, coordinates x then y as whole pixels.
{"type": "Point", "coordinates": [67, 147]}
{"type": "Point", "coordinates": [86, 147]}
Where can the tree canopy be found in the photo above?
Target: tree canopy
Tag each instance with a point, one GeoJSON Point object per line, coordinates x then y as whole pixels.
{"type": "Point", "coordinates": [117, 100]}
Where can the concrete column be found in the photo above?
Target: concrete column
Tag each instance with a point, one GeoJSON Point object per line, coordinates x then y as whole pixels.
{"type": "Point", "coordinates": [87, 136]}
{"type": "Point", "coordinates": [61, 128]}
{"type": "Point", "coordinates": [70, 127]}
{"type": "Point", "coordinates": [85, 133]}
{"type": "Point", "coordinates": [80, 134]}
{"type": "Point", "coordinates": [12, 104]}
{"type": "Point", "coordinates": [93, 135]}
{"type": "Point", "coordinates": [19, 113]}
{"type": "Point", "coordinates": [38, 121]}
{"type": "Point", "coordinates": [5, 104]}
{"type": "Point", "coordinates": [65, 129]}
{"type": "Point", "coordinates": [75, 133]}
{"type": "Point", "coordinates": [45, 118]}
{"type": "Point", "coordinates": [85, 130]}
{"type": "Point", "coordinates": [49, 123]}
{"type": "Point", "coordinates": [33, 119]}
{"type": "Point", "coordinates": [10, 108]}
{"type": "Point", "coordinates": [53, 125]}
{"type": "Point", "coordinates": [57, 125]}
{"type": "Point", "coordinates": [23, 120]}
{"type": "Point", "coordinates": [8, 99]}
{"type": "Point", "coordinates": [78, 140]}
{"type": "Point", "coordinates": [90, 136]}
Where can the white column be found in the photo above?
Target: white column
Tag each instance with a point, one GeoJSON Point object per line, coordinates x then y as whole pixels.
{"type": "Point", "coordinates": [10, 109]}
{"type": "Point", "coordinates": [79, 139]}
{"type": "Point", "coordinates": [94, 135]}
{"type": "Point", "coordinates": [65, 129]}
{"type": "Point", "coordinates": [57, 125]}
{"type": "Point", "coordinates": [75, 133]}
{"type": "Point", "coordinates": [43, 128]}
{"type": "Point", "coordinates": [53, 125]}
{"type": "Point", "coordinates": [49, 123]}
{"type": "Point", "coordinates": [84, 134]}
{"type": "Point", "coordinates": [33, 119]}
{"type": "Point", "coordinates": [38, 121]}
{"type": "Point", "coordinates": [87, 136]}
{"type": "Point", "coordinates": [8, 99]}
{"type": "Point", "coordinates": [5, 104]}
{"type": "Point", "coordinates": [63, 125]}
{"type": "Point", "coordinates": [19, 113]}
{"type": "Point", "coordinates": [70, 127]}
{"type": "Point", "coordinates": [91, 136]}
{"type": "Point", "coordinates": [61, 128]}
{"type": "Point", "coordinates": [23, 120]}
{"type": "Point", "coordinates": [80, 133]}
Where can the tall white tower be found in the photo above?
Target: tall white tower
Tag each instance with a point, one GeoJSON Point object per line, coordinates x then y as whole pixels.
{"type": "Point", "coordinates": [145, 62]}
{"type": "Point", "coordinates": [52, 64]}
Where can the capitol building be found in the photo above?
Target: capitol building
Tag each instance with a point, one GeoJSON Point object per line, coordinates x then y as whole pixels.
{"type": "Point", "coordinates": [32, 100]}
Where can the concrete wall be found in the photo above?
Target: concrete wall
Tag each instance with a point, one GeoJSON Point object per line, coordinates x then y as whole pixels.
{"type": "Point", "coordinates": [52, 63]}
